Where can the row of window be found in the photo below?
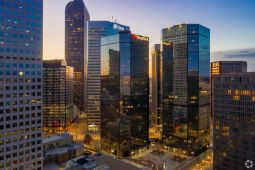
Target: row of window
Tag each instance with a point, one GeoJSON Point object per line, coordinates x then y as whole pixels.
{"type": "Point", "coordinates": [20, 65]}
{"type": "Point", "coordinates": [20, 132]}
{"type": "Point", "coordinates": [21, 116]}
{"type": "Point", "coordinates": [14, 103]}
{"type": "Point", "coordinates": [20, 80]}
{"type": "Point", "coordinates": [27, 58]}
{"type": "Point", "coordinates": [21, 109]}
{"type": "Point", "coordinates": [27, 87]}
{"type": "Point", "coordinates": [22, 167]}
{"type": "Point", "coordinates": [20, 73]}
{"type": "Point", "coordinates": [19, 51]}
{"type": "Point", "coordinates": [20, 124]}
{"type": "Point", "coordinates": [16, 95]}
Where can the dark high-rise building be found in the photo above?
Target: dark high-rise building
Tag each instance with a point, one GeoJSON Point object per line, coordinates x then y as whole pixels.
{"type": "Point", "coordinates": [166, 89]}
{"type": "Point", "coordinates": [21, 77]}
{"type": "Point", "coordinates": [155, 89]}
{"type": "Point", "coordinates": [186, 74]}
{"type": "Point", "coordinates": [57, 96]}
{"type": "Point", "coordinates": [222, 67]}
{"type": "Point", "coordinates": [234, 121]}
{"type": "Point", "coordinates": [124, 93]}
{"type": "Point", "coordinates": [76, 18]}
{"type": "Point", "coordinates": [96, 30]}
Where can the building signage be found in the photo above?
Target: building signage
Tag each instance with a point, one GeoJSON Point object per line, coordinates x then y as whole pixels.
{"type": "Point", "coordinates": [118, 27]}
{"type": "Point", "coordinates": [142, 38]}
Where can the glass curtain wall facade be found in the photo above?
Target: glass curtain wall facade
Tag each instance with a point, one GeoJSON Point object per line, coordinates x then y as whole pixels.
{"type": "Point", "coordinates": [155, 91]}
{"type": "Point", "coordinates": [97, 30]}
{"type": "Point", "coordinates": [166, 93]}
{"type": "Point", "coordinates": [124, 93]}
{"type": "Point", "coordinates": [21, 26]}
{"type": "Point", "coordinates": [76, 18]}
{"type": "Point", "coordinates": [190, 97]}
{"type": "Point", "coordinates": [57, 96]}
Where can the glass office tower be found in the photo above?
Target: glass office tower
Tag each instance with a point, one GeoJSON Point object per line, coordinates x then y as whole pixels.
{"type": "Point", "coordinates": [21, 25]}
{"type": "Point", "coordinates": [190, 96]}
{"type": "Point", "coordinates": [57, 96]}
{"type": "Point", "coordinates": [76, 18]}
{"type": "Point", "coordinates": [97, 29]}
{"type": "Point", "coordinates": [155, 89]}
{"type": "Point", "coordinates": [124, 93]}
{"type": "Point", "coordinates": [155, 54]}
{"type": "Point", "coordinates": [166, 86]}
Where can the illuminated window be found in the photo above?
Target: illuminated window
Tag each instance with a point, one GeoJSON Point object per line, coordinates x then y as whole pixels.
{"type": "Point", "coordinates": [237, 92]}
{"type": "Point", "coordinates": [193, 97]}
{"type": "Point", "coordinates": [21, 73]}
{"type": "Point", "coordinates": [236, 97]}
{"type": "Point", "coordinates": [229, 92]}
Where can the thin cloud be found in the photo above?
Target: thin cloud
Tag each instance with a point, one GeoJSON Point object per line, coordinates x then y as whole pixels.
{"type": "Point", "coordinates": [238, 54]}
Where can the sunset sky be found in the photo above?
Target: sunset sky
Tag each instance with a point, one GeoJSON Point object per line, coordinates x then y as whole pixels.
{"type": "Point", "coordinates": [232, 22]}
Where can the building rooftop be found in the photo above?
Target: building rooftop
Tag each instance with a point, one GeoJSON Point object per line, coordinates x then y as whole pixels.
{"type": "Point", "coordinates": [61, 150]}
{"type": "Point", "coordinates": [52, 166]}
{"type": "Point", "coordinates": [56, 137]}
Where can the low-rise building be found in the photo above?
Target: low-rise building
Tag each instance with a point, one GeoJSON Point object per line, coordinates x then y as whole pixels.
{"type": "Point", "coordinates": [60, 148]}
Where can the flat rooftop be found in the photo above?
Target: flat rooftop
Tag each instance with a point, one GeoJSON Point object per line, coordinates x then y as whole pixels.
{"type": "Point", "coordinates": [113, 163]}
{"type": "Point", "coordinates": [51, 166]}
{"type": "Point", "coordinates": [56, 137]}
{"type": "Point", "coordinates": [61, 150]}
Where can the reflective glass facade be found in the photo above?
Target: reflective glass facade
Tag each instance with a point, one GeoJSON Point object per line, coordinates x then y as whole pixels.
{"type": "Point", "coordinates": [21, 84]}
{"type": "Point", "coordinates": [166, 79]}
{"type": "Point", "coordinates": [97, 30]}
{"type": "Point", "coordinates": [190, 96]}
{"type": "Point", "coordinates": [155, 118]}
{"type": "Point", "coordinates": [76, 17]}
{"type": "Point", "coordinates": [124, 93]}
{"type": "Point", "coordinates": [57, 96]}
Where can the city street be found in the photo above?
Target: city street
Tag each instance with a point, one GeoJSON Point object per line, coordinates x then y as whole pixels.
{"type": "Point", "coordinates": [78, 129]}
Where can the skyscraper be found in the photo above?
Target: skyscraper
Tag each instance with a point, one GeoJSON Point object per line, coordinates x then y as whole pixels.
{"type": "Point", "coordinates": [155, 91]}
{"type": "Point", "coordinates": [234, 120]}
{"type": "Point", "coordinates": [21, 24]}
{"type": "Point", "coordinates": [76, 18]}
{"type": "Point", "coordinates": [189, 100]}
{"type": "Point", "coordinates": [124, 93]}
{"type": "Point", "coordinates": [58, 108]}
{"type": "Point", "coordinates": [97, 29]}
{"type": "Point", "coordinates": [222, 67]}
{"type": "Point", "coordinates": [166, 89]}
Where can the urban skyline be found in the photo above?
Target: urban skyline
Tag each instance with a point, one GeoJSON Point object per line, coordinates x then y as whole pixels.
{"type": "Point", "coordinates": [221, 17]}
{"type": "Point", "coordinates": [132, 93]}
